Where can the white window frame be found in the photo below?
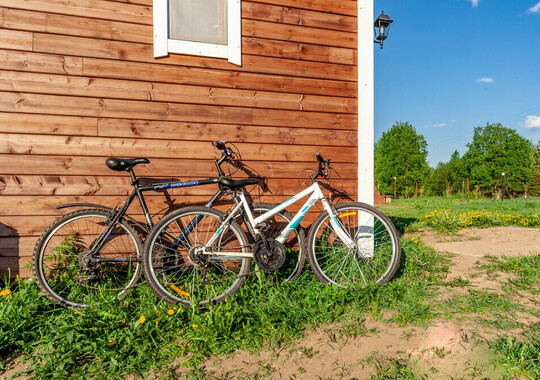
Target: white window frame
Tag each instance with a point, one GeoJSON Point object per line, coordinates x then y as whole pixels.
{"type": "Point", "coordinates": [232, 51]}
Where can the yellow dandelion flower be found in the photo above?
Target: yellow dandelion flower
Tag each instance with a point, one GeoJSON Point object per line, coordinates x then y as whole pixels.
{"type": "Point", "coordinates": [170, 312]}
{"type": "Point", "coordinates": [112, 341]}
{"type": "Point", "coordinates": [195, 326]}
{"type": "Point", "coordinates": [5, 292]}
{"type": "Point", "coordinates": [142, 319]}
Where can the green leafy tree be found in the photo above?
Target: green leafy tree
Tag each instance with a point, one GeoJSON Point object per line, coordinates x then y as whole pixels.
{"type": "Point", "coordinates": [534, 184]}
{"type": "Point", "coordinates": [446, 178]}
{"type": "Point", "coordinates": [438, 179]}
{"type": "Point", "coordinates": [401, 153]}
{"type": "Point", "coordinates": [494, 150]}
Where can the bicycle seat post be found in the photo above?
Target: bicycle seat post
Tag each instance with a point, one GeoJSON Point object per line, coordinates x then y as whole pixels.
{"type": "Point", "coordinates": [134, 180]}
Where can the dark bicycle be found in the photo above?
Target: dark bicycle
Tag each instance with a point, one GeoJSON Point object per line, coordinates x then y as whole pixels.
{"type": "Point", "coordinates": [99, 249]}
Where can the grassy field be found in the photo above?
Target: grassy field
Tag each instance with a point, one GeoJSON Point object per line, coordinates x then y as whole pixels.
{"type": "Point", "coordinates": [451, 214]}
{"type": "Point", "coordinates": [140, 334]}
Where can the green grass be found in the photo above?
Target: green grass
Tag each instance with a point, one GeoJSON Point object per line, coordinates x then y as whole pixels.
{"type": "Point", "coordinates": [451, 214]}
{"type": "Point", "coordinates": [109, 339]}
{"type": "Point", "coordinates": [519, 356]}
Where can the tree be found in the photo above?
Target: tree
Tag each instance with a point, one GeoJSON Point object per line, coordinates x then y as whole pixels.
{"type": "Point", "coordinates": [534, 184]}
{"type": "Point", "coordinates": [446, 178]}
{"type": "Point", "coordinates": [438, 180]}
{"type": "Point", "coordinates": [401, 153]}
{"type": "Point", "coordinates": [494, 150]}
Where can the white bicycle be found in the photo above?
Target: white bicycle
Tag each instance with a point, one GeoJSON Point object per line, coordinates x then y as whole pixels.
{"type": "Point", "coordinates": [199, 255]}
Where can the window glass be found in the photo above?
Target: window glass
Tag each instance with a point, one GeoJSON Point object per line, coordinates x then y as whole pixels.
{"type": "Point", "coordinates": [198, 20]}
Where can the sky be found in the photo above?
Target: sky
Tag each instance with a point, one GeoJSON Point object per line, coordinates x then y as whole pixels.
{"type": "Point", "coordinates": [449, 66]}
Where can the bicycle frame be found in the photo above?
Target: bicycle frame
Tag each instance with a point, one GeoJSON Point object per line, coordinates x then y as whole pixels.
{"type": "Point", "coordinates": [316, 194]}
{"type": "Point", "coordinates": [117, 214]}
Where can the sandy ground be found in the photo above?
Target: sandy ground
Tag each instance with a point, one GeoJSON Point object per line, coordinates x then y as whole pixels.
{"type": "Point", "coordinates": [444, 350]}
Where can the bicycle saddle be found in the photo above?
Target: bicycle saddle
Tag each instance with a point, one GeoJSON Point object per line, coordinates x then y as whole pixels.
{"type": "Point", "coordinates": [119, 164]}
{"type": "Point", "coordinates": [233, 184]}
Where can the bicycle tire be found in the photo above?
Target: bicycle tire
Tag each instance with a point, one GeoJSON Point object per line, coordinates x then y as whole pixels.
{"type": "Point", "coordinates": [176, 272]}
{"type": "Point", "coordinates": [57, 256]}
{"type": "Point", "coordinates": [295, 245]}
{"type": "Point", "coordinates": [375, 257]}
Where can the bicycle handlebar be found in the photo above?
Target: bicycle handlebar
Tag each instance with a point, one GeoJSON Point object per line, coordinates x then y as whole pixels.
{"type": "Point", "coordinates": [219, 144]}
{"type": "Point", "coordinates": [226, 152]}
{"type": "Point", "coordinates": [322, 169]}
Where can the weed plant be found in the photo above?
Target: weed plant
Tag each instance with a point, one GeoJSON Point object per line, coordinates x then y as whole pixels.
{"type": "Point", "coordinates": [519, 357]}
{"type": "Point", "coordinates": [114, 338]}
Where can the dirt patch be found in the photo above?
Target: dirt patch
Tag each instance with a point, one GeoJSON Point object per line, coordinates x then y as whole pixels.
{"type": "Point", "coordinates": [441, 351]}
{"type": "Point", "coordinates": [495, 241]}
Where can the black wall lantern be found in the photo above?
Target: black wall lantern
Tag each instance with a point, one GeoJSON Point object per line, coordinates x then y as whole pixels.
{"type": "Point", "coordinates": [382, 28]}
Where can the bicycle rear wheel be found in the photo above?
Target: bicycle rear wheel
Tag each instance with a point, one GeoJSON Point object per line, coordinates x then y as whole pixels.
{"type": "Point", "coordinates": [59, 264]}
{"type": "Point", "coordinates": [176, 268]}
{"type": "Point", "coordinates": [373, 258]}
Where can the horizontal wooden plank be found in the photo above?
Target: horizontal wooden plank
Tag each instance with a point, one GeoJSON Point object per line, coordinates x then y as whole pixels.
{"type": "Point", "coordinates": [74, 25]}
{"type": "Point", "coordinates": [157, 204]}
{"type": "Point", "coordinates": [121, 186]}
{"type": "Point", "coordinates": [123, 89]}
{"type": "Point", "coordinates": [214, 78]}
{"type": "Point", "coordinates": [298, 33]}
{"type": "Point", "coordinates": [22, 164]}
{"type": "Point", "coordinates": [16, 40]}
{"type": "Point", "coordinates": [103, 9]}
{"type": "Point", "coordinates": [343, 7]}
{"type": "Point", "coordinates": [295, 16]}
{"type": "Point", "coordinates": [42, 63]}
{"type": "Point", "coordinates": [95, 146]}
{"type": "Point", "coordinates": [241, 133]}
{"type": "Point", "coordinates": [304, 119]}
{"type": "Point", "coordinates": [95, 107]}
{"type": "Point", "coordinates": [293, 50]}
{"type": "Point", "coordinates": [131, 109]}
{"type": "Point", "coordinates": [50, 124]}
{"type": "Point", "coordinates": [17, 226]}
{"type": "Point", "coordinates": [128, 51]}
{"type": "Point", "coordinates": [44, 205]}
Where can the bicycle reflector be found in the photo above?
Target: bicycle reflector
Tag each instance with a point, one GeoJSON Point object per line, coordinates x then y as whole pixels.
{"type": "Point", "coordinates": [346, 214]}
{"type": "Point", "coordinates": [180, 291]}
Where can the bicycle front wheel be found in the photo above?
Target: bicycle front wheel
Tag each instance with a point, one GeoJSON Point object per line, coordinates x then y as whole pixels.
{"type": "Point", "coordinates": [179, 265]}
{"type": "Point", "coordinates": [374, 256]}
{"type": "Point", "coordinates": [70, 275]}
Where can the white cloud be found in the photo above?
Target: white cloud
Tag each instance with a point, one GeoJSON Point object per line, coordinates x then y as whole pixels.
{"type": "Point", "coordinates": [535, 9]}
{"type": "Point", "coordinates": [532, 122]}
{"type": "Point", "coordinates": [485, 80]}
{"type": "Point", "coordinates": [475, 3]}
{"type": "Point", "coordinates": [439, 125]}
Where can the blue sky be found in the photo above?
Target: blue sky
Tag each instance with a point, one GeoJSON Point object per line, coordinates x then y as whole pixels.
{"type": "Point", "coordinates": [451, 65]}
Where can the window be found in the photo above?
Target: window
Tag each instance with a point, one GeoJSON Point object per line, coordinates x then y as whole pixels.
{"type": "Point", "coordinates": [210, 28]}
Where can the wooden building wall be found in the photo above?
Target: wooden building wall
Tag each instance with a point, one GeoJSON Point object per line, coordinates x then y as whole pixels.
{"type": "Point", "coordinates": [78, 84]}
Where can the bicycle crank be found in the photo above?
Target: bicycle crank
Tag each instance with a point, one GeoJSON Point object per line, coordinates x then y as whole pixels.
{"type": "Point", "coordinates": [269, 255]}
